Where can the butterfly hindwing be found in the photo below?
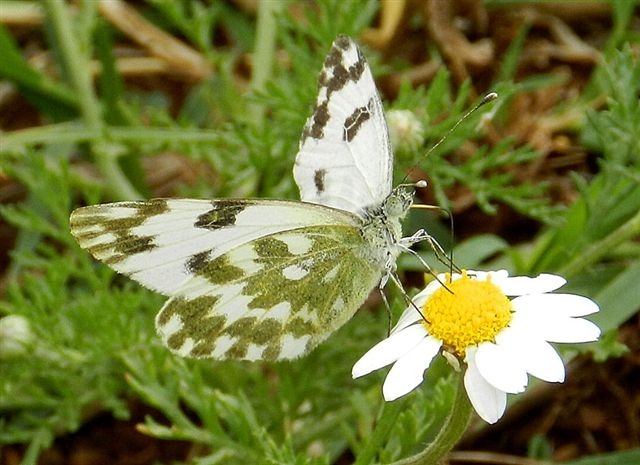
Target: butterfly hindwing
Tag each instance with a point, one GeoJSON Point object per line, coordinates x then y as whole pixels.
{"type": "Point", "coordinates": [345, 160]}
{"type": "Point", "coordinates": [275, 297]}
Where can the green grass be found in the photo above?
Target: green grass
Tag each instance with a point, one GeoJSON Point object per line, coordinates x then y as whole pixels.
{"type": "Point", "coordinates": [92, 344]}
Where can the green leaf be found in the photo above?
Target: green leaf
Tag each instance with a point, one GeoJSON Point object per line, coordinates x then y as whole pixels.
{"type": "Point", "coordinates": [624, 457]}
{"type": "Point", "coordinates": [618, 303]}
{"type": "Point", "coordinates": [50, 97]}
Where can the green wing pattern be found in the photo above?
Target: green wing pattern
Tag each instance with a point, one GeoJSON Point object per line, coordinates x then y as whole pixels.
{"type": "Point", "coordinates": [273, 298]}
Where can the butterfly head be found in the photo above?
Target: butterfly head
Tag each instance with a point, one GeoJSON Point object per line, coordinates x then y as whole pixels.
{"type": "Point", "coordinates": [400, 199]}
{"type": "Point", "coordinates": [398, 202]}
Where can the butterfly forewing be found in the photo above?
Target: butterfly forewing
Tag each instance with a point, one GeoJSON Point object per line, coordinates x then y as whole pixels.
{"type": "Point", "coordinates": [160, 242]}
{"type": "Point", "coordinates": [345, 159]}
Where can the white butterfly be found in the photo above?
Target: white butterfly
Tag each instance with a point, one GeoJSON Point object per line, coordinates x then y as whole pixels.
{"type": "Point", "coordinates": [270, 279]}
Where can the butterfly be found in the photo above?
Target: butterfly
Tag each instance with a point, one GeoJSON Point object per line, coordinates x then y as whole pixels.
{"type": "Point", "coordinates": [259, 279]}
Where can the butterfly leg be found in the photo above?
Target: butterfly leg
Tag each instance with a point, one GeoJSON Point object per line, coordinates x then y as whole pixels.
{"type": "Point", "coordinates": [390, 274]}
{"type": "Point", "coordinates": [393, 276]}
{"type": "Point", "coordinates": [386, 305]}
{"type": "Point", "coordinates": [422, 235]}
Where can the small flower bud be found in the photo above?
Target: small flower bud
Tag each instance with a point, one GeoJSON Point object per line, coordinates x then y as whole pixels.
{"type": "Point", "coordinates": [15, 335]}
{"type": "Point", "coordinates": [405, 130]}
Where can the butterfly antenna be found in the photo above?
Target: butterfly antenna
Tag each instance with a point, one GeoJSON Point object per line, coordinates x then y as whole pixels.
{"type": "Point", "coordinates": [441, 255]}
{"type": "Point", "coordinates": [490, 97]}
{"type": "Point", "coordinates": [422, 235]}
{"type": "Point", "coordinates": [452, 265]}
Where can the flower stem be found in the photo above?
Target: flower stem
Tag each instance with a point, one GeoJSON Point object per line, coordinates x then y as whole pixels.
{"type": "Point", "coordinates": [453, 428]}
{"type": "Point", "coordinates": [390, 412]}
{"type": "Point", "coordinates": [75, 60]}
{"type": "Point", "coordinates": [264, 51]}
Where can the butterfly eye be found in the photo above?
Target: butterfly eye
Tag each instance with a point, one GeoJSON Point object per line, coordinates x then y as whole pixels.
{"type": "Point", "coordinates": [399, 201]}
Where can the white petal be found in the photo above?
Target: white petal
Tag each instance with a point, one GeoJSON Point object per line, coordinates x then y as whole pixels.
{"type": "Point", "coordinates": [408, 372]}
{"type": "Point", "coordinates": [576, 305]}
{"type": "Point", "coordinates": [555, 304]}
{"type": "Point", "coordinates": [530, 323]}
{"type": "Point", "coordinates": [556, 328]}
{"type": "Point", "coordinates": [484, 275]}
{"type": "Point", "coordinates": [488, 401]}
{"type": "Point", "coordinates": [409, 317]}
{"type": "Point", "coordinates": [501, 368]}
{"type": "Point", "coordinates": [524, 285]}
{"type": "Point", "coordinates": [550, 317]}
{"type": "Point", "coordinates": [543, 362]}
{"type": "Point", "coordinates": [537, 357]}
{"type": "Point", "coordinates": [389, 350]}
{"type": "Point", "coordinates": [572, 330]}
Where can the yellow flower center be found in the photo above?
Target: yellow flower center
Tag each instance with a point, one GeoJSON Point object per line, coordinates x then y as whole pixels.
{"type": "Point", "coordinates": [466, 313]}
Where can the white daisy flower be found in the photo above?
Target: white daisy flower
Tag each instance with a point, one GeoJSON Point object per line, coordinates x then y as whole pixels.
{"type": "Point", "coordinates": [500, 340]}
